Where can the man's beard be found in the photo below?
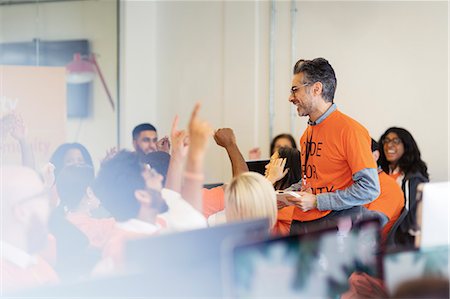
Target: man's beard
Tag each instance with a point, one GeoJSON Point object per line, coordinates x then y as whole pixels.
{"type": "Point", "coordinates": [37, 235]}
{"type": "Point", "coordinates": [158, 202]}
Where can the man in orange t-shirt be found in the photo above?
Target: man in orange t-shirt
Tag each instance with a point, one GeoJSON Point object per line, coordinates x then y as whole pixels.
{"type": "Point", "coordinates": [339, 172]}
{"type": "Point", "coordinates": [390, 202]}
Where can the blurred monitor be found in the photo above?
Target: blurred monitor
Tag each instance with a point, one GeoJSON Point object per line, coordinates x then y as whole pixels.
{"type": "Point", "coordinates": [433, 215]}
{"type": "Point", "coordinates": [313, 265]}
{"type": "Point", "coordinates": [400, 267]}
{"type": "Point", "coordinates": [175, 265]}
{"type": "Point", "coordinates": [258, 166]}
{"type": "Point", "coordinates": [188, 263]}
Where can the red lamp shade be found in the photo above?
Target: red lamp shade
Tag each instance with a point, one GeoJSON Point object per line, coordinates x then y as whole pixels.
{"type": "Point", "coordinates": [79, 71]}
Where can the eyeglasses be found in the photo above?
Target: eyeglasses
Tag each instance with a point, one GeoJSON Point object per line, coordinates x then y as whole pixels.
{"type": "Point", "coordinates": [294, 89]}
{"type": "Point", "coordinates": [395, 141]}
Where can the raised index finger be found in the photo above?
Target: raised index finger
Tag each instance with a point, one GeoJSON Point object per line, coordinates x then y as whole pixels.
{"type": "Point", "coordinates": [175, 124]}
{"type": "Point", "coordinates": [195, 111]}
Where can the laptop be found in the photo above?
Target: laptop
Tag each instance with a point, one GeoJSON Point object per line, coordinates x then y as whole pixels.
{"type": "Point", "coordinates": [188, 263]}
{"type": "Point", "coordinates": [258, 166]}
{"type": "Point", "coordinates": [433, 215]}
{"type": "Point", "coordinates": [402, 266]}
{"type": "Point", "coordinates": [313, 265]}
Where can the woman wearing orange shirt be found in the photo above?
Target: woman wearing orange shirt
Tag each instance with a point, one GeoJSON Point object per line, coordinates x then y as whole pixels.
{"type": "Point", "coordinates": [401, 159]}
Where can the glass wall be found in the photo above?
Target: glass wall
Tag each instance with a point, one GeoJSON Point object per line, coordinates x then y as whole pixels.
{"type": "Point", "coordinates": [58, 77]}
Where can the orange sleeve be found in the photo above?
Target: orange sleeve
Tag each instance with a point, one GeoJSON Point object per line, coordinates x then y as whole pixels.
{"type": "Point", "coordinates": [213, 200]}
{"type": "Point", "coordinates": [390, 202]}
{"type": "Point", "coordinates": [357, 147]}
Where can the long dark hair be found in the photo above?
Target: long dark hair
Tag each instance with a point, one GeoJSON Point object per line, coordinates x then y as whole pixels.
{"type": "Point", "coordinates": [293, 162]}
{"type": "Point", "coordinates": [275, 139]}
{"type": "Point", "coordinates": [410, 162]}
{"type": "Point", "coordinates": [57, 157]}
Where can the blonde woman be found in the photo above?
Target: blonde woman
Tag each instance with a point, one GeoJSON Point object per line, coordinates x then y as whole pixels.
{"type": "Point", "coordinates": [249, 196]}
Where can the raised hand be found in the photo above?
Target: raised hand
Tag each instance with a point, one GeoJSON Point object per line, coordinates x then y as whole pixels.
{"type": "Point", "coordinates": [179, 139]}
{"type": "Point", "coordinates": [163, 145]}
{"type": "Point", "coordinates": [225, 137]}
{"type": "Point", "coordinates": [275, 170]}
{"type": "Point", "coordinates": [199, 131]}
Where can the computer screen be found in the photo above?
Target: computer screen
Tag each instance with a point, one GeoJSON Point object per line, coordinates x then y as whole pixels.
{"type": "Point", "coordinates": [306, 266]}
{"type": "Point", "coordinates": [430, 262]}
{"type": "Point", "coordinates": [258, 166]}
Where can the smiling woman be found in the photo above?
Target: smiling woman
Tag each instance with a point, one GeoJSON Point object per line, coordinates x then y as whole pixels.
{"type": "Point", "coordinates": [401, 159]}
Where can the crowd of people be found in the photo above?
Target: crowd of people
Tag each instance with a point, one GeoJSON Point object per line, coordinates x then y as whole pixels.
{"type": "Point", "coordinates": [70, 222]}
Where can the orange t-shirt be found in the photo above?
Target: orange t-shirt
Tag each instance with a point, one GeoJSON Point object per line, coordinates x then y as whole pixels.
{"type": "Point", "coordinates": [17, 278]}
{"type": "Point", "coordinates": [339, 148]}
{"type": "Point", "coordinates": [390, 202]}
{"type": "Point", "coordinates": [213, 200]}
{"type": "Point", "coordinates": [98, 231]}
{"type": "Point", "coordinates": [284, 218]}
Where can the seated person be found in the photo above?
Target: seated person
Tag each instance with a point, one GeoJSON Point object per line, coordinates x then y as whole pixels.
{"type": "Point", "coordinates": [145, 140]}
{"type": "Point", "coordinates": [390, 201]}
{"type": "Point", "coordinates": [77, 202]}
{"type": "Point", "coordinates": [401, 159]}
{"type": "Point", "coordinates": [24, 209]}
{"type": "Point", "coordinates": [132, 192]}
{"type": "Point", "coordinates": [283, 170]}
{"type": "Point", "coordinates": [281, 140]}
{"type": "Point", "coordinates": [250, 196]}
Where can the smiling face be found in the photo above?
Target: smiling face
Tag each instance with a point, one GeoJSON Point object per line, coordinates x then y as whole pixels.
{"type": "Point", "coordinates": [393, 148]}
{"type": "Point", "coordinates": [146, 142]}
{"type": "Point", "coordinates": [301, 96]}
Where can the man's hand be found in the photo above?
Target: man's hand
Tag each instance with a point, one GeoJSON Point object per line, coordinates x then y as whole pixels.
{"type": "Point", "coordinates": [163, 145]}
{"type": "Point", "coordinates": [306, 202]}
{"type": "Point", "coordinates": [281, 205]}
{"type": "Point", "coordinates": [180, 140]}
{"type": "Point", "coordinates": [225, 137]}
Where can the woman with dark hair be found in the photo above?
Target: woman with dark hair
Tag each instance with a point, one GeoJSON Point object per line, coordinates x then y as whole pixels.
{"type": "Point", "coordinates": [283, 170]}
{"type": "Point", "coordinates": [400, 158]}
{"type": "Point", "coordinates": [282, 140]}
{"type": "Point", "coordinates": [70, 154]}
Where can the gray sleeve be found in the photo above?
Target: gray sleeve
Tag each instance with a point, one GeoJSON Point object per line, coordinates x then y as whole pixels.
{"type": "Point", "coordinates": [295, 187]}
{"type": "Point", "coordinates": [366, 188]}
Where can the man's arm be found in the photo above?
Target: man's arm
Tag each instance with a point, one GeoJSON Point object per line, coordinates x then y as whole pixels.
{"type": "Point", "coordinates": [225, 138]}
{"type": "Point", "coordinates": [365, 189]}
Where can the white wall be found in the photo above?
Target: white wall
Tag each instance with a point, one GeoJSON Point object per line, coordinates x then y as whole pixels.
{"type": "Point", "coordinates": [92, 20]}
{"type": "Point", "coordinates": [390, 58]}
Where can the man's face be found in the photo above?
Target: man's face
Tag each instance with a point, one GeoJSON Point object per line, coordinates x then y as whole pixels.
{"type": "Point", "coordinates": [153, 184]}
{"type": "Point", "coordinates": [301, 96]}
{"type": "Point", "coordinates": [146, 142]}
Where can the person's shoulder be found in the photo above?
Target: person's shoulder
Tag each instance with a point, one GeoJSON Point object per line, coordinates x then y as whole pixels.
{"type": "Point", "coordinates": [416, 176]}
{"type": "Point", "coordinates": [388, 182]}
{"type": "Point", "coordinates": [347, 120]}
{"type": "Point", "coordinates": [345, 124]}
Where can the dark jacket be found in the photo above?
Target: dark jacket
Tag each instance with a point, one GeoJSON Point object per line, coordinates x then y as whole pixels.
{"type": "Point", "coordinates": [409, 187]}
